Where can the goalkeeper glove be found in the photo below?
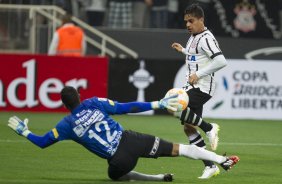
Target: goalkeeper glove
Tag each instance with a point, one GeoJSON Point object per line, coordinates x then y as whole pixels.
{"type": "Point", "coordinates": [19, 126]}
{"type": "Point", "coordinates": [170, 103]}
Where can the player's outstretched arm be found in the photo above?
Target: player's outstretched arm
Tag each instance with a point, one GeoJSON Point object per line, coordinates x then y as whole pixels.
{"type": "Point", "coordinates": [21, 128]}
{"type": "Point", "coordinates": [169, 103]}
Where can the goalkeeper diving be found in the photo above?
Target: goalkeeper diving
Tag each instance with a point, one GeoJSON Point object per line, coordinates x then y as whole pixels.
{"type": "Point", "coordinates": [89, 123]}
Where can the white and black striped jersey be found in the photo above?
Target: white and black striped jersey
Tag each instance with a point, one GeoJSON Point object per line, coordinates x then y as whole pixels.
{"type": "Point", "coordinates": [200, 51]}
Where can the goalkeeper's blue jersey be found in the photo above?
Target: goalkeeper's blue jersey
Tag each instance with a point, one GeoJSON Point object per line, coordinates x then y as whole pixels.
{"type": "Point", "coordinates": [91, 126]}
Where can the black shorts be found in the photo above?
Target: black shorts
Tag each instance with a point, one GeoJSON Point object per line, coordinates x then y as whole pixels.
{"type": "Point", "coordinates": [197, 99]}
{"type": "Point", "coordinates": [132, 146]}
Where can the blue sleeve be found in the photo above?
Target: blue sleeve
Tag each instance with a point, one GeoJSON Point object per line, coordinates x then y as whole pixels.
{"type": "Point", "coordinates": [61, 132]}
{"type": "Point", "coordinates": [132, 107]}
{"type": "Point", "coordinates": [42, 141]}
{"type": "Point", "coordinates": [113, 107]}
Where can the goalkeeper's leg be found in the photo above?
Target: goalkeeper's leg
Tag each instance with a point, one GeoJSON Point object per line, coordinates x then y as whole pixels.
{"type": "Point", "coordinates": [137, 176]}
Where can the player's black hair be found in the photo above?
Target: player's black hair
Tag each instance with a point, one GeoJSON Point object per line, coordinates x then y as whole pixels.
{"type": "Point", "coordinates": [70, 97]}
{"type": "Point", "coordinates": [195, 10]}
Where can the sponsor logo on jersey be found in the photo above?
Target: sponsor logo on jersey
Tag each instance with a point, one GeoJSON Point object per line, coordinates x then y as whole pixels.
{"type": "Point", "coordinates": [191, 57]}
{"type": "Point", "coordinates": [84, 122]}
{"type": "Point", "coordinates": [155, 146]}
{"type": "Point", "coordinates": [81, 113]}
{"type": "Point", "coordinates": [114, 144]}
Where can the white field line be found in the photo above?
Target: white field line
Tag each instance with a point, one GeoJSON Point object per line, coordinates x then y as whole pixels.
{"type": "Point", "coordinates": [221, 143]}
{"type": "Point", "coordinates": [249, 144]}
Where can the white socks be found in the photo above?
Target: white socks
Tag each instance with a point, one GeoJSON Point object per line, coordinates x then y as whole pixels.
{"type": "Point", "coordinates": [195, 152]}
{"type": "Point", "coordinates": [133, 175]}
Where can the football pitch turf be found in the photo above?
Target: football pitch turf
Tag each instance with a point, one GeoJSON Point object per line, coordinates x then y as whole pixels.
{"type": "Point", "coordinates": [257, 143]}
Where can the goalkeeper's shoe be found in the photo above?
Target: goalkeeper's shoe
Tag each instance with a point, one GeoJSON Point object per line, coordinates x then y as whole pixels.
{"type": "Point", "coordinates": [213, 136]}
{"type": "Point", "coordinates": [210, 171]}
{"type": "Point", "coordinates": [168, 177]}
{"type": "Point", "coordinates": [230, 162]}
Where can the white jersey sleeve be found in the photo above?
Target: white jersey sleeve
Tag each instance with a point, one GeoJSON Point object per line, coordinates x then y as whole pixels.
{"type": "Point", "coordinates": [216, 64]}
{"type": "Point", "coordinates": [210, 46]}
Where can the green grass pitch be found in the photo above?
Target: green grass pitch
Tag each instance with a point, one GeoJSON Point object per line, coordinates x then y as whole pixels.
{"type": "Point", "coordinates": [257, 143]}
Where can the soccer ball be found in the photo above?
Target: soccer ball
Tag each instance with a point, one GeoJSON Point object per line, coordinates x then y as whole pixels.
{"type": "Point", "coordinates": [183, 98]}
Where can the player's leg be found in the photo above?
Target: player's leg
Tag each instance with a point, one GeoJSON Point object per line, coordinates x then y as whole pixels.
{"type": "Point", "coordinates": [197, 99]}
{"type": "Point", "coordinates": [194, 152]}
{"type": "Point", "coordinates": [137, 176]}
{"type": "Point", "coordinates": [162, 148]}
{"type": "Point", "coordinates": [167, 149]}
{"type": "Point", "coordinates": [193, 114]}
{"type": "Point", "coordinates": [132, 146]}
{"type": "Point", "coordinates": [196, 139]}
{"type": "Point", "coordinates": [191, 118]}
{"type": "Point", "coordinates": [117, 174]}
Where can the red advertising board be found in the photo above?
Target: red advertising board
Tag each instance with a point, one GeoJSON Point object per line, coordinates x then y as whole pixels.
{"type": "Point", "coordinates": [34, 82]}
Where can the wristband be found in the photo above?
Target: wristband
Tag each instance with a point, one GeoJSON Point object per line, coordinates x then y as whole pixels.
{"type": "Point", "coordinates": [25, 133]}
{"type": "Point", "coordinates": [155, 105]}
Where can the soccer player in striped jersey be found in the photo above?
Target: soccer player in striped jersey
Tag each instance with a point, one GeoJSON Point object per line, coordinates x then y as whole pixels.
{"type": "Point", "coordinates": [203, 59]}
{"type": "Point", "coordinates": [90, 125]}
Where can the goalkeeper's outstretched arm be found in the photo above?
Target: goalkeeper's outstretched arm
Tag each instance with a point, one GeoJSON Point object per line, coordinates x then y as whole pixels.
{"type": "Point", "coordinates": [169, 103]}
{"type": "Point", "coordinates": [42, 141]}
{"type": "Point", "coordinates": [21, 128]}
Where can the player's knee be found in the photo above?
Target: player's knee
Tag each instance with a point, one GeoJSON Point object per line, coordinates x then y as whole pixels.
{"type": "Point", "coordinates": [187, 116]}
{"type": "Point", "coordinates": [114, 173]}
{"type": "Point", "coordinates": [113, 176]}
{"type": "Point", "coordinates": [189, 130]}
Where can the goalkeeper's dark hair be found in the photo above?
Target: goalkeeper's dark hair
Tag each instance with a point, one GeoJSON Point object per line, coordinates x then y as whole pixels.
{"type": "Point", "coordinates": [195, 10]}
{"type": "Point", "coordinates": [70, 97]}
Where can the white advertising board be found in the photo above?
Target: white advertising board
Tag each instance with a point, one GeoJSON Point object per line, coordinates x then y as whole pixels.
{"type": "Point", "coordinates": [245, 90]}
